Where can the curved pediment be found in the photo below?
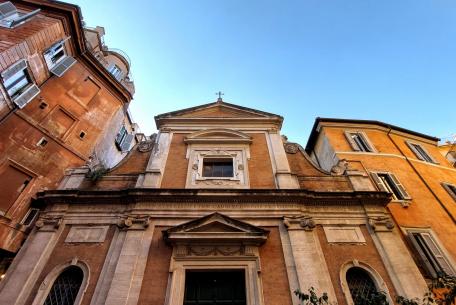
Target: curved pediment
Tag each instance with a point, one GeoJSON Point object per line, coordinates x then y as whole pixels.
{"type": "Point", "coordinates": [219, 135]}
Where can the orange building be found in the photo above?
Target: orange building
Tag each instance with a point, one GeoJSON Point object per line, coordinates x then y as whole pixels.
{"type": "Point", "coordinates": [219, 208]}
{"type": "Point", "coordinates": [411, 167]}
{"type": "Point", "coordinates": [61, 104]}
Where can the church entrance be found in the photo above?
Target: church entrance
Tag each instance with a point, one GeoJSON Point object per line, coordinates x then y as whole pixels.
{"type": "Point", "coordinates": [215, 287]}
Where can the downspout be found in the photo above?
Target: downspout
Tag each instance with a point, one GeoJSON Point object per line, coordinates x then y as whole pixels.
{"type": "Point", "coordinates": [421, 177]}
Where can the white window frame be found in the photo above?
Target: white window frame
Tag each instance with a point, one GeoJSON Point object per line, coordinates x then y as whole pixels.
{"type": "Point", "coordinates": [25, 93]}
{"type": "Point", "coordinates": [421, 153]}
{"type": "Point", "coordinates": [387, 187]}
{"type": "Point", "coordinates": [60, 65]}
{"type": "Point", "coordinates": [31, 210]}
{"type": "Point", "coordinates": [115, 71]}
{"type": "Point", "coordinates": [201, 167]}
{"type": "Point", "coordinates": [364, 146]}
{"type": "Point", "coordinates": [440, 252]}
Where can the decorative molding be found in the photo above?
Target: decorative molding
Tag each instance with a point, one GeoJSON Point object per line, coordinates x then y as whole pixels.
{"type": "Point", "coordinates": [135, 222]}
{"type": "Point", "coordinates": [146, 146]}
{"type": "Point", "coordinates": [299, 222]}
{"type": "Point", "coordinates": [344, 234]}
{"type": "Point", "coordinates": [291, 148]}
{"type": "Point", "coordinates": [381, 224]}
{"type": "Point", "coordinates": [340, 168]}
{"type": "Point", "coordinates": [49, 223]}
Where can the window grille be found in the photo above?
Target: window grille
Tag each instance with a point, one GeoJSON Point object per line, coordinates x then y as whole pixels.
{"type": "Point", "coordinates": [361, 285]}
{"type": "Point", "coordinates": [66, 287]}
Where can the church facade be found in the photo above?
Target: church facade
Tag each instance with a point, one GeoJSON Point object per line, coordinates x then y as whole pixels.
{"type": "Point", "coordinates": [217, 208]}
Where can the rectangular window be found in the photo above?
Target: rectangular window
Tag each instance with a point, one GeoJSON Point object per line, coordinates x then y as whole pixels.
{"type": "Point", "coordinates": [388, 182]}
{"type": "Point", "coordinates": [57, 60]}
{"type": "Point", "coordinates": [431, 255]}
{"type": "Point", "coordinates": [123, 139]}
{"type": "Point", "coordinates": [30, 217]}
{"type": "Point", "coordinates": [451, 189]}
{"type": "Point", "coordinates": [19, 84]}
{"type": "Point", "coordinates": [218, 167]}
{"type": "Point", "coordinates": [358, 141]}
{"type": "Point", "coordinates": [420, 152]}
{"type": "Point", "coordinates": [10, 17]}
{"type": "Point", "coordinates": [115, 71]}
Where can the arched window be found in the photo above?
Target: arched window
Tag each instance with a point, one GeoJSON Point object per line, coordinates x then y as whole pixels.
{"type": "Point", "coordinates": [65, 287]}
{"type": "Point", "coordinates": [360, 284]}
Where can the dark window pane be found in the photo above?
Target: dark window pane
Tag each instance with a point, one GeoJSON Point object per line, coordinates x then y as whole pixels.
{"type": "Point", "coordinates": [66, 287]}
{"type": "Point", "coordinates": [213, 167]}
{"type": "Point", "coordinates": [361, 285]}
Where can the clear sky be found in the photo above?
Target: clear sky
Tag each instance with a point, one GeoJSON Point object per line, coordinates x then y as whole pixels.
{"type": "Point", "coordinates": [388, 60]}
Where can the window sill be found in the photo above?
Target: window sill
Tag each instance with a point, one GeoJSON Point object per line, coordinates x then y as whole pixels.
{"type": "Point", "coordinates": [218, 178]}
{"type": "Point", "coordinates": [403, 203]}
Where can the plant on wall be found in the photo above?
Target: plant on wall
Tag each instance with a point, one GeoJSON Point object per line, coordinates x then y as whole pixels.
{"type": "Point", "coordinates": [311, 298]}
{"type": "Point", "coordinates": [442, 291]}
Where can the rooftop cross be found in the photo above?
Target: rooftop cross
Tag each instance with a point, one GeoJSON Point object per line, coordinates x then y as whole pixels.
{"type": "Point", "coordinates": [220, 93]}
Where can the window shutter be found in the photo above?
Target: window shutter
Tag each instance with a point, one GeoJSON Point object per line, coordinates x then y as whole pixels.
{"type": "Point", "coordinates": [379, 182]}
{"type": "Point", "coordinates": [429, 155]}
{"type": "Point", "coordinates": [16, 67]}
{"type": "Point", "coordinates": [63, 66]}
{"type": "Point", "coordinates": [23, 18]}
{"type": "Point", "coordinates": [367, 141]}
{"type": "Point", "coordinates": [412, 148]}
{"type": "Point", "coordinates": [350, 140]}
{"type": "Point", "coordinates": [27, 96]}
{"type": "Point", "coordinates": [7, 9]}
{"type": "Point", "coordinates": [438, 254]}
{"type": "Point", "coordinates": [425, 261]}
{"type": "Point", "coordinates": [447, 187]}
{"type": "Point", "coordinates": [400, 187]}
{"type": "Point", "coordinates": [125, 146]}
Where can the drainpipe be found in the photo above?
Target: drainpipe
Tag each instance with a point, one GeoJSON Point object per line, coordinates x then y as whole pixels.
{"type": "Point", "coordinates": [421, 177]}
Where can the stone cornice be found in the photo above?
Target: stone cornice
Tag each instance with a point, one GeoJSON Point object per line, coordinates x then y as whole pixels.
{"type": "Point", "coordinates": [137, 195]}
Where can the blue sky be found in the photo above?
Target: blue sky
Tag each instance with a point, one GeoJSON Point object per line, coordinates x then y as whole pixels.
{"type": "Point", "coordinates": [389, 60]}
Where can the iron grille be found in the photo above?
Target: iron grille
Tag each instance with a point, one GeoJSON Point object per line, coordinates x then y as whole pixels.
{"type": "Point", "coordinates": [66, 287]}
{"type": "Point", "coordinates": [361, 285]}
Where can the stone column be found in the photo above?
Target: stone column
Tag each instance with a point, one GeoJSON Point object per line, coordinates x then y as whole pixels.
{"type": "Point", "coordinates": [157, 162]}
{"type": "Point", "coordinates": [284, 178]}
{"type": "Point", "coordinates": [128, 275]}
{"type": "Point", "coordinates": [309, 260]}
{"type": "Point", "coordinates": [30, 261]}
{"type": "Point", "coordinates": [404, 273]}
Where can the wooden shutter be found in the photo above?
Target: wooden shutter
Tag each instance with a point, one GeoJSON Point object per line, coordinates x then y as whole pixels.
{"type": "Point", "coordinates": [24, 18]}
{"type": "Point", "coordinates": [16, 67]}
{"type": "Point", "coordinates": [426, 264]}
{"type": "Point", "coordinates": [367, 141]}
{"type": "Point", "coordinates": [413, 149]}
{"type": "Point", "coordinates": [63, 66]}
{"type": "Point", "coordinates": [379, 182]}
{"type": "Point", "coordinates": [22, 100]}
{"type": "Point", "coordinates": [438, 254]}
{"type": "Point", "coordinates": [429, 155]}
{"type": "Point", "coordinates": [350, 140]}
{"type": "Point", "coordinates": [447, 187]}
{"type": "Point", "coordinates": [400, 187]}
{"type": "Point", "coordinates": [125, 146]}
{"type": "Point", "coordinates": [7, 9]}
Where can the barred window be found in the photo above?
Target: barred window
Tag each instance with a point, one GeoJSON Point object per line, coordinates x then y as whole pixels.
{"type": "Point", "coordinates": [361, 285]}
{"type": "Point", "coordinates": [66, 287]}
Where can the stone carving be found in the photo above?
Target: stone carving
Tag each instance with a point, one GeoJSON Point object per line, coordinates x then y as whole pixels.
{"type": "Point", "coordinates": [145, 146]}
{"type": "Point", "coordinates": [223, 250]}
{"type": "Point", "coordinates": [87, 234]}
{"type": "Point", "coordinates": [340, 168]}
{"type": "Point", "coordinates": [299, 222]}
{"type": "Point", "coordinates": [49, 223]}
{"type": "Point", "coordinates": [135, 222]}
{"type": "Point", "coordinates": [381, 224]}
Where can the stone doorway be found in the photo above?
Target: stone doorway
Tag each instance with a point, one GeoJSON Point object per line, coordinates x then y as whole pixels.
{"type": "Point", "coordinates": [224, 287]}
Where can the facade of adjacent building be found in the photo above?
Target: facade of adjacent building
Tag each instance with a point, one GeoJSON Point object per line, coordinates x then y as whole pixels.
{"type": "Point", "coordinates": [411, 167]}
{"type": "Point", "coordinates": [219, 208]}
{"type": "Point", "coordinates": [61, 105]}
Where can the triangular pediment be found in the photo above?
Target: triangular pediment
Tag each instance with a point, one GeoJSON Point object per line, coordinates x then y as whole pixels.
{"type": "Point", "coordinates": [218, 109]}
{"type": "Point", "coordinates": [216, 227]}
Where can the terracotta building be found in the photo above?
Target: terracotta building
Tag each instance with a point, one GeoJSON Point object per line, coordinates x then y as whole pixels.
{"type": "Point", "coordinates": [218, 207]}
{"type": "Point", "coordinates": [61, 104]}
{"type": "Point", "coordinates": [411, 167]}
